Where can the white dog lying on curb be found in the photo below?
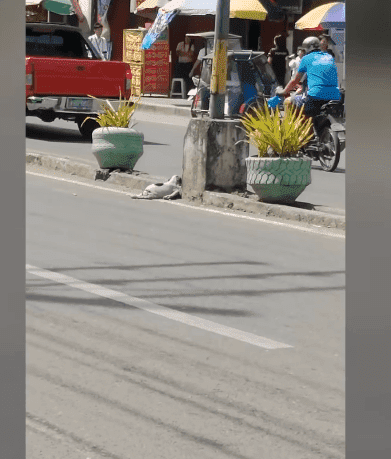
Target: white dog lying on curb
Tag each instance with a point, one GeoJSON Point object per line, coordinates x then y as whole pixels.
{"type": "Point", "coordinates": [167, 190]}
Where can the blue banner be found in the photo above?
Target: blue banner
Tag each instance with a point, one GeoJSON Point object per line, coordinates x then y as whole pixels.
{"type": "Point", "coordinates": [158, 27]}
{"type": "Point", "coordinates": [103, 6]}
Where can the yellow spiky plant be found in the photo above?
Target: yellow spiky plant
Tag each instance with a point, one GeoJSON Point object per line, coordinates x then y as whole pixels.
{"type": "Point", "coordinates": [120, 117]}
{"type": "Point", "coordinates": [275, 135]}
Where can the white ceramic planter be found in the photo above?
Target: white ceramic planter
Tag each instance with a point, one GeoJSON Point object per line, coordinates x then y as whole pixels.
{"type": "Point", "coordinates": [116, 147]}
{"type": "Point", "coordinates": [278, 180]}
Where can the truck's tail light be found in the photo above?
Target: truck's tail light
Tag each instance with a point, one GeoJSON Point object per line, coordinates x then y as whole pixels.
{"type": "Point", "coordinates": [128, 80]}
{"type": "Point", "coordinates": [29, 73]}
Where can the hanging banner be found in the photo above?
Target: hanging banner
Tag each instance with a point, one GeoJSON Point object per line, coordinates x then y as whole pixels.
{"type": "Point", "coordinates": [103, 6]}
{"type": "Point", "coordinates": [158, 27]}
{"type": "Point", "coordinates": [78, 11]}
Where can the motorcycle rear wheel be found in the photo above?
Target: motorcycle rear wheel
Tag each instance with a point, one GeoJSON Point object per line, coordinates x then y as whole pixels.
{"type": "Point", "coordinates": [330, 152]}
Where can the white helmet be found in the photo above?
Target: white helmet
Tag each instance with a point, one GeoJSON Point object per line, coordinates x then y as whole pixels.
{"type": "Point", "coordinates": [311, 43]}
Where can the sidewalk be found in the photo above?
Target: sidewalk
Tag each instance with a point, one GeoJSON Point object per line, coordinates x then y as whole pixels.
{"type": "Point", "coordinates": [179, 110]}
{"type": "Point", "coordinates": [165, 105]}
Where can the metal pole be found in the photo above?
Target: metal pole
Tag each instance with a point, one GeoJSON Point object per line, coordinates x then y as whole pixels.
{"type": "Point", "coordinates": [219, 67]}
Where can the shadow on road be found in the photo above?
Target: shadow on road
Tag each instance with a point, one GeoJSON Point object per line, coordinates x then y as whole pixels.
{"type": "Point", "coordinates": [337, 170]}
{"type": "Point", "coordinates": [56, 134]}
{"type": "Point", "coordinates": [111, 304]}
{"type": "Point", "coordinates": [168, 265]}
{"type": "Point", "coordinates": [154, 143]}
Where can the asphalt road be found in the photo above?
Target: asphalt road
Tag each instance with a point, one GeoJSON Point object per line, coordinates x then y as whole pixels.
{"type": "Point", "coordinates": [163, 153]}
{"type": "Point", "coordinates": [158, 330]}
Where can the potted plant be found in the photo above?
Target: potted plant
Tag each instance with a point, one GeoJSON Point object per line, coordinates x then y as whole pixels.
{"type": "Point", "coordinates": [115, 144]}
{"type": "Point", "coordinates": [278, 174]}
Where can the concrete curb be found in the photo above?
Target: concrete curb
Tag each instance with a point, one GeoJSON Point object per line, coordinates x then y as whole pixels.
{"type": "Point", "coordinates": [137, 181]}
{"type": "Point", "coordinates": [285, 212]}
{"type": "Point", "coordinates": [146, 107]}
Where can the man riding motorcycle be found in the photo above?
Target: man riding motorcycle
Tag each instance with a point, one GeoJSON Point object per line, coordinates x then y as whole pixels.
{"type": "Point", "coordinates": [322, 79]}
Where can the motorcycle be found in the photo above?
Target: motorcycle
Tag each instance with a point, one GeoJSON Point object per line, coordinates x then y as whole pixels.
{"type": "Point", "coordinates": [329, 135]}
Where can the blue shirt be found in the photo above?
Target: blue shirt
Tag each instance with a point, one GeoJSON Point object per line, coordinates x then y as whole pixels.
{"type": "Point", "coordinates": [322, 75]}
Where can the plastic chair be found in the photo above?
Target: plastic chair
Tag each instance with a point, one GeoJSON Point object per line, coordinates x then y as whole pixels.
{"type": "Point", "coordinates": [182, 92]}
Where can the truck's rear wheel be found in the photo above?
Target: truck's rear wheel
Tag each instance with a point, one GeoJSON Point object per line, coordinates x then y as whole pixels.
{"type": "Point", "coordinates": [87, 128]}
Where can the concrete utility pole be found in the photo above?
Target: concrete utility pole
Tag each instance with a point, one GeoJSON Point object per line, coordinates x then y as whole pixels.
{"type": "Point", "coordinates": [214, 151]}
{"type": "Point", "coordinates": [219, 67]}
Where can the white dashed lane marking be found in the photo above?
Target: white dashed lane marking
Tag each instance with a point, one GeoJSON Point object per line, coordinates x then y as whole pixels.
{"type": "Point", "coordinates": [153, 308]}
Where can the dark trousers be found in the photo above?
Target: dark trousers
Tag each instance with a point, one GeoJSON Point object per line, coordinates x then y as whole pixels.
{"type": "Point", "coordinates": [182, 70]}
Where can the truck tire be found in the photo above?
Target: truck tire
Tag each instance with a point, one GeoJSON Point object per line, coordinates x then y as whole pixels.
{"type": "Point", "coordinates": [87, 128]}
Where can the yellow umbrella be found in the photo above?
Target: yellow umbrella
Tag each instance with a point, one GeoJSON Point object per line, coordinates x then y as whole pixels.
{"type": "Point", "coordinates": [323, 17]}
{"type": "Point", "coordinates": [242, 9]}
{"type": "Point", "coordinates": [150, 5]}
{"type": "Point", "coordinates": [247, 9]}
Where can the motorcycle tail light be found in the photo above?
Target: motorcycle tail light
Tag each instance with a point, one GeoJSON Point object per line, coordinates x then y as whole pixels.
{"type": "Point", "coordinates": [242, 108]}
{"type": "Point", "coordinates": [197, 100]}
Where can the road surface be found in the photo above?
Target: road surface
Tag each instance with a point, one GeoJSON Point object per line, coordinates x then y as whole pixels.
{"type": "Point", "coordinates": [158, 330]}
{"type": "Point", "coordinates": [163, 153]}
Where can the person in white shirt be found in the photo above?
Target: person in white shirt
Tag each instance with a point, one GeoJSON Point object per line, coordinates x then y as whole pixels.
{"type": "Point", "coordinates": [295, 61]}
{"type": "Point", "coordinates": [186, 53]}
{"type": "Point", "coordinates": [99, 43]}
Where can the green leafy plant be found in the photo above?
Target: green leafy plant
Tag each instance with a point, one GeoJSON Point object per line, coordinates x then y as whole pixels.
{"type": "Point", "coordinates": [120, 117]}
{"type": "Point", "coordinates": [275, 135]}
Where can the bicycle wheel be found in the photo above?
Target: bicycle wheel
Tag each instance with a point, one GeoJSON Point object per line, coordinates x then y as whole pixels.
{"type": "Point", "coordinates": [331, 150]}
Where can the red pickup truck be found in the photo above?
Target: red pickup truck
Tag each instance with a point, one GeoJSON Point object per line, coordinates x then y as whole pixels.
{"type": "Point", "coordinates": [62, 70]}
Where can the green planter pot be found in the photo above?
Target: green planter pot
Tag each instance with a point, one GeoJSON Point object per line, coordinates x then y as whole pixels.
{"type": "Point", "coordinates": [278, 180]}
{"type": "Point", "coordinates": [116, 147]}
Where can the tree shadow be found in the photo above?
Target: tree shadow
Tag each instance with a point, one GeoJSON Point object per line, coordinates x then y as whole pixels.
{"type": "Point", "coordinates": [112, 304]}
{"type": "Point", "coordinates": [257, 276]}
{"type": "Point", "coordinates": [162, 265]}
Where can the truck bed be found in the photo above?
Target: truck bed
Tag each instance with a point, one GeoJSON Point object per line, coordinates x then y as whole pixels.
{"type": "Point", "coordinates": [63, 63]}
{"type": "Point", "coordinates": [77, 77]}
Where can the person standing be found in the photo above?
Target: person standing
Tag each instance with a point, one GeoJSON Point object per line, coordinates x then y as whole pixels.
{"type": "Point", "coordinates": [295, 61]}
{"type": "Point", "coordinates": [186, 53]}
{"type": "Point", "coordinates": [98, 42]}
{"type": "Point", "coordinates": [201, 55]}
{"type": "Point", "coordinates": [277, 58]}
{"type": "Point", "coordinates": [324, 44]}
